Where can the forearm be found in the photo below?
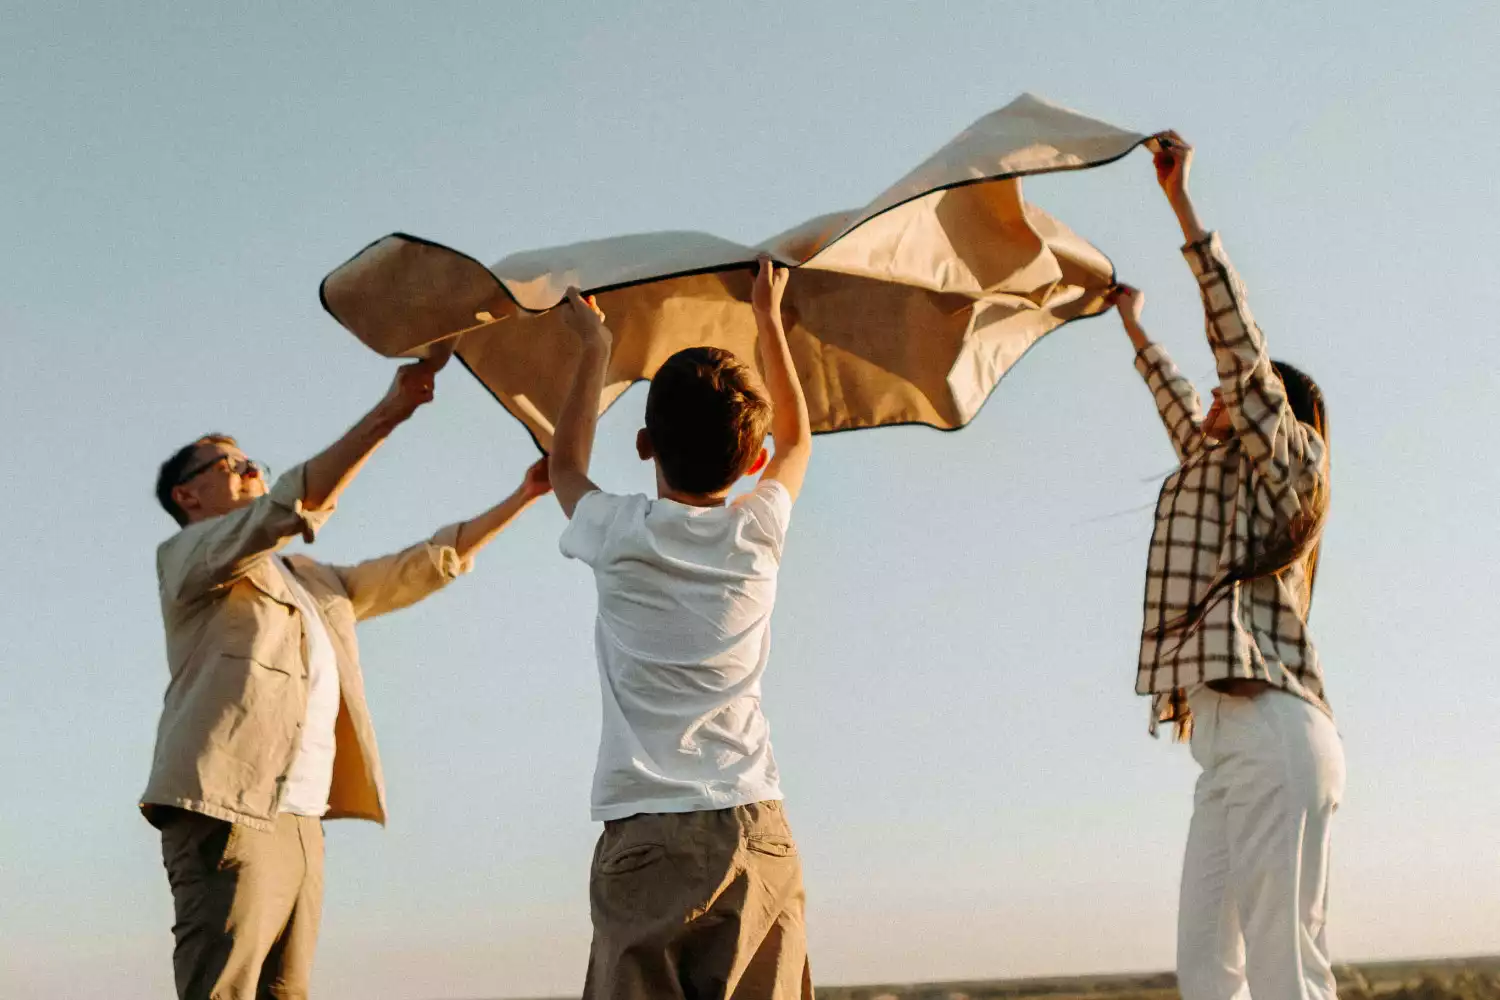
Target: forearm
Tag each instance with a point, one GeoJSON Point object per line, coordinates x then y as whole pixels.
{"type": "Point", "coordinates": [790, 425]}
{"type": "Point", "coordinates": [328, 472]}
{"type": "Point", "coordinates": [1137, 334]}
{"type": "Point", "coordinates": [1187, 217]}
{"type": "Point", "coordinates": [478, 532]}
{"type": "Point", "coordinates": [573, 438]}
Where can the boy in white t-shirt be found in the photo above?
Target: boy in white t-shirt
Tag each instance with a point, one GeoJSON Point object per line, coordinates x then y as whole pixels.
{"type": "Point", "coordinates": [696, 886]}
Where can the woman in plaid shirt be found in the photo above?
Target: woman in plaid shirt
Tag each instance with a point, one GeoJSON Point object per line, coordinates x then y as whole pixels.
{"type": "Point", "coordinates": [1225, 653]}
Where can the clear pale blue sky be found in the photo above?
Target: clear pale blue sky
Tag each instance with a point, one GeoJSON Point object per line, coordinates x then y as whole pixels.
{"type": "Point", "coordinates": [951, 686]}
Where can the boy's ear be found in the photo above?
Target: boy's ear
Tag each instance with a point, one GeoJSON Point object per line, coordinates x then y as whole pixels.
{"type": "Point", "coordinates": [759, 463]}
{"type": "Point", "coordinates": [643, 446]}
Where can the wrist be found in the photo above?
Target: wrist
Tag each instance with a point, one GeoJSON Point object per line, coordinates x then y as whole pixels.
{"type": "Point", "coordinates": [1137, 335]}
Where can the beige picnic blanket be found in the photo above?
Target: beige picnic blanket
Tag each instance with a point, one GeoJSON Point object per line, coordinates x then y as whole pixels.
{"type": "Point", "coordinates": [908, 310]}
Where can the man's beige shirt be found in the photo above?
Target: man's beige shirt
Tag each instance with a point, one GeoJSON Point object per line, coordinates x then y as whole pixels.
{"type": "Point", "coordinates": [237, 653]}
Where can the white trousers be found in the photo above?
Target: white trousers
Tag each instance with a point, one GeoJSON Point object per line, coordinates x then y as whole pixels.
{"type": "Point", "coordinates": [1254, 901]}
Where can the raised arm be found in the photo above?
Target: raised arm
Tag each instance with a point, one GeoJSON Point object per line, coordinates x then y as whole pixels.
{"type": "Point", "coordinates": [336, 466]}
{"type": "Point", "coordinates": [214, 552]}
{"type": "Point", "coordinates": [1176, 399]}
{"type": "Point", "coordinates": [791, 431]}
{"type": "Point", "coordinates": [573, 438]}
{"type": "Point", "coordinates": [478, 532]}
{"type": "Point", "coordinates": [1287, 454]}
{"type": "Point", "coordinates": [389, 583]}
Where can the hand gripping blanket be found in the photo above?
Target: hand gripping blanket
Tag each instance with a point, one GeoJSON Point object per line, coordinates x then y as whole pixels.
{"type": "Point", "coordinates": [906, 311]}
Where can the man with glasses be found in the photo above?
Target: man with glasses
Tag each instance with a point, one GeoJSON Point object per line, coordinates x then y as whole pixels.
{"type": "Point", "coordinates": [264, 730]}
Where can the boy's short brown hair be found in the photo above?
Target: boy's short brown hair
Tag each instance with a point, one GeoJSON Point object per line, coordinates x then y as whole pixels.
{"type": "Point", "coordinates": [707, 416]}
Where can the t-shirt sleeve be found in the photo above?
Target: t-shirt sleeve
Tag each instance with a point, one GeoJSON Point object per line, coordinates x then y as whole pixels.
{"type": "Point", "coordinates": [587, 535]}
{"type": "Point", "coordinates": [770, 508]}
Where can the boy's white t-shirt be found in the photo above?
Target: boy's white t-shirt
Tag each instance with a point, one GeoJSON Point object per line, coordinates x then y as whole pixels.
{"type": "Point", "coordinates": [682, 638]}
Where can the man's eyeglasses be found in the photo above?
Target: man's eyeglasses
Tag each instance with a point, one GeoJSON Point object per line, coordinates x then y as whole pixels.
{"type": "Point", "coordinates": [238, 466]}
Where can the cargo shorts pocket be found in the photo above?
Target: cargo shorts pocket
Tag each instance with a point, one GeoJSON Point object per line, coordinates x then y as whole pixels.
{"type": "Point", "coordinates": [630, 858]}
{"type": "Point", "coordinates": [772, 845]}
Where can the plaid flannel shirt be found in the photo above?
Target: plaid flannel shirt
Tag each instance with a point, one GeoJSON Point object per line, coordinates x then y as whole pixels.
{"type": "Point", "coordinates": [1225, 498]}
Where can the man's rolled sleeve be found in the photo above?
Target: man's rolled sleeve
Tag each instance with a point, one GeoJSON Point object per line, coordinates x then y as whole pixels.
{"type": "Point", "coordinates": [389, 583]}
{"type": "Point", "coordinates": [450, 564]}
{"type": "Point", "coordinates": [218, 551]}
{"type": "Point", "coordinates": [288, 491]}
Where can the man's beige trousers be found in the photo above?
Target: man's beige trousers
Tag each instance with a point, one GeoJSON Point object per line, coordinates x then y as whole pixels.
{"type": "Point", "coordinates": [247, 905]}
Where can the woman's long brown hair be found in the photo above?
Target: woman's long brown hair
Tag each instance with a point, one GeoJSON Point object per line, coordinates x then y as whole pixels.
{"type": "Point", "coordinates": [1298, 541]}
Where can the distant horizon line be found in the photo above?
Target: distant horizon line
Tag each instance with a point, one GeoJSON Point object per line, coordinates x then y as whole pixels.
{"type": "Point", "coordinates": [1118, 981]}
